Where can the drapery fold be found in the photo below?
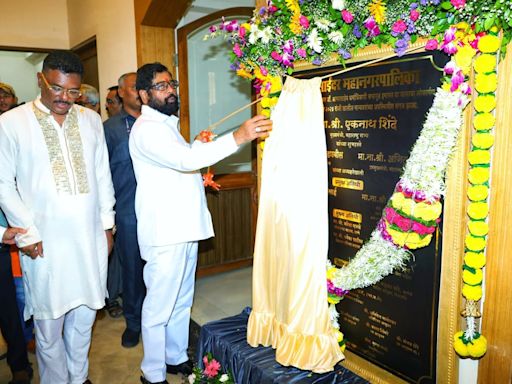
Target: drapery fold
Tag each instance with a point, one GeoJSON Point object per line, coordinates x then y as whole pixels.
{"type": "Point", "coordinates": [290, 310]}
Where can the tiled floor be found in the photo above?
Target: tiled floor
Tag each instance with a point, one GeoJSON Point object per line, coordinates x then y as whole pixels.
{"type": "Point", "coordinates": [216, 297]}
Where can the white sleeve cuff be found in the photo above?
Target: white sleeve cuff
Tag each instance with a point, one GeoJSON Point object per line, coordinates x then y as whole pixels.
{"type": "Point", "coordinates": [31, 237]}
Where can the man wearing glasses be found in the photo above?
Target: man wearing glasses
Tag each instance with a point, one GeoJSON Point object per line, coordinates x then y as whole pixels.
{"type": "Point", "coordinates": [172, 216]}
{"type": "Point", "coordinates": [55, 182]}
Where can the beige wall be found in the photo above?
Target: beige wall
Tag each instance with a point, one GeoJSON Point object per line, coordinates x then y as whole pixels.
{"type": "Point", "coordinates": [34, 24]}
{"type": "Point", "coordinates": [113, 24]}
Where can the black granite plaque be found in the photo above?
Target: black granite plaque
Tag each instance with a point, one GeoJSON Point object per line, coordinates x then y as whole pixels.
{"type": "Point", "coordinates": [373, 116]}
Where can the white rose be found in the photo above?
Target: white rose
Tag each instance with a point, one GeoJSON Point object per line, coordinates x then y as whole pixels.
{"type": "Point", "coordinates": [338, 4]}
{"type": "Point", "coordinates": [192, 378]}
{"type": "Point", "coordinates": [224, 378]}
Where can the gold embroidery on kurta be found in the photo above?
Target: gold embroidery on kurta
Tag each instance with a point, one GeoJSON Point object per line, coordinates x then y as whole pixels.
{"type": "Point", "coordinates": [56, 153]}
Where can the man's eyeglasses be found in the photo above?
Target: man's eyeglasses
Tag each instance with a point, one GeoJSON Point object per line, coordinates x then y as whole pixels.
{"type": "Point", "coordinates": [58, 90]}
{"type": "Point", "coordinates": [165, 85]}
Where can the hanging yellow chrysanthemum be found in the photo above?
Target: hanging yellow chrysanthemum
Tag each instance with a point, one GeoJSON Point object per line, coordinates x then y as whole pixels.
{"type": "Point", "coordinates": [464, 58]}
{"type": "Point", "coordinates": [295, 26]}
{"type": "Point", "coordinates": [478, 175]}
{"type": "Point", "coordinates": [472, 293]}
{"type": "Point", "coordinates": [478, 192]}
{"type": "Point", "coordinates": [484, 121]}
{"type": "Point", "coordinates": [485, 103]}
{"type": "Point", "coordinates": [483, 140]}
{"type": "Point", "coordinates": [478, 228]}
{"type": "Point", "coordinates": [378, 11]}
{"type": "Point", "coordinates": [485, 63]}
{"type": "Point", "coordinates": [474, 260]}
{"type": "Point", "coordinates": [472, 277]}
{"type": "Point", "coordinates": [478, 211]}
{"type": "Point", "coordinates": [478, 156]}
{"type": "Point", "coordinates": [486, 83]}
{"type": "Point", "coordinates": [474, 244]}
{"type": "Point", "coordinates": [489, 44]}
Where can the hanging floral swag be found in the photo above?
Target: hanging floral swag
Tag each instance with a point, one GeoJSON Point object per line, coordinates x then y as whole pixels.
{"type": "Point", "coordinates": [285, 31]}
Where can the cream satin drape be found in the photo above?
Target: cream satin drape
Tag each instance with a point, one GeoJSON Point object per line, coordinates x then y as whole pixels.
{"type": "Point", "coordinates": [290, 310]}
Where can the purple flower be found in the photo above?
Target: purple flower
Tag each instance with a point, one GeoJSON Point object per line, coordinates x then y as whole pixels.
{"type": "Point", "coordinates": [264, 71]}
{"type": "Point", "coordinates": [449, 48]}
{"type": "Point", "coordinates": [401, 46]}
{"type": "Point", "coordinates": [457, 80]}
{"type": "Point", "coordinates": [301, 52]}
{"type": "Point", "coordinates": [450, 68]}
{"type": "Point", "coordinates": [287, 60]}
{"type": "Point", "coordinates": [288, 47]}
{"type": "Point", "coordinates": [465, 89]}
{"type": "Point", "coordinates": [413, 6]}
{"type": "Point", "coordinates": [423, 2]}
{"type": "Point", "coordinates": [317, 60]}
{"type": "Point", "coordinates": [344, 53]}
{"type": "Point", "coordinates": [435, 2]}
{"type": "Point", "coordinates": [357, 32]}
{"type": "Point", "coordinates": [213, 28]}
{"type": "Point", "coordinates": [449, 35]}
{"type": "Point", "coordinates": [262, 11]}
{"type": "Point", "coordinates": [414, 15]}
{"type": "Point", "coordinates": [372, 27]}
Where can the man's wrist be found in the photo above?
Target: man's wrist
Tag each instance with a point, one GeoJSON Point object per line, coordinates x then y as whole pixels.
{"type": "Point", "coordinates": [113, 229]}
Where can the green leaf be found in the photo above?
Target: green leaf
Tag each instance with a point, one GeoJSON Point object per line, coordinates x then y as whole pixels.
{"type": "Point", "coordinates": [488, 23]}
{"type": "Point", "coordinates": [414, 38]}
{"type": "Point", "coordinates": [446, 5]}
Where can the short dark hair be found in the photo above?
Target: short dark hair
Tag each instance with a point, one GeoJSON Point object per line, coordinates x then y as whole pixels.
{"type": "Point", "coordinates": [113, 88]}
{"type": "Point", "coordinates": [146, 74]}
{"type": "Point", "coordinates": [64, 61]}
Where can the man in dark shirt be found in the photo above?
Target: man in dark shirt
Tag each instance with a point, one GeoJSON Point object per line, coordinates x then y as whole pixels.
{"type": "Point", "coordinates": [117, 131]}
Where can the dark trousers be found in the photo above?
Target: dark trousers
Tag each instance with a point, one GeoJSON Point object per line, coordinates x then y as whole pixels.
{"type": "Point", "coordinates": [132, 266]}
{"type": "Point", "coordinates": [10, 322]}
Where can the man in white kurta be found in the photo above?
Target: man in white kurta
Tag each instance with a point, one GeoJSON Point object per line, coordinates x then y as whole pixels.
{"type": "Point", "coordinates": [172, 216]}
{"type": "Point", "coordinates": [55, 181]}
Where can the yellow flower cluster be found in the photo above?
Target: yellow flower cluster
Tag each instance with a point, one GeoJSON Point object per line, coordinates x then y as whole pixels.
{"type": "Point", "coordinates": [484, 121]}
{"type": "Point", "coordinates": [294, 7]}
{"type": "Point", "coordinates": [464, 58]}
{"type": "Point", "coordinates": [472, 278]}
{"type": "Point", "coordinates": [472, 348]}
{"type": "Point", "coordinates": [410, 239]}
{"type": "Point", "coordinates": [485, 103]}
{"type": "Point", "coordinates": [423, 211]}
{"type": "Point", "coordinates": [378, 11]}
{"type": "Point", "coordinates": [472, 293]}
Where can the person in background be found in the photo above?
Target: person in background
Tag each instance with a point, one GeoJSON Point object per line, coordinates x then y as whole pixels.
{"type": "Point", "coordinates": [55, 181]}
{"type": "Point", "coordinates": [10, 322]}
{"type": "Point", "coordinates": [172, 216]}
{"type": "Point", "coordinates": [114, 104]}
{"type": "Point", "coordinates": [90, 98]}
{"type": "Point", "coordinates": [8, 99]}
{"type": "Point", "coordinates": [117, 133]}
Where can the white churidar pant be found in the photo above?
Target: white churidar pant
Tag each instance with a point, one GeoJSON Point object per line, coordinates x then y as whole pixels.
{"type": "Point", "coordinates": [169, 277]}
{"type": "Point", "coordinates": [62, 346]}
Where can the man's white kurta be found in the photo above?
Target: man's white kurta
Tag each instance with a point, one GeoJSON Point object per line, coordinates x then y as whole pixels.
{"type": "Point", "coordinates": [170, 202]}
{"type": "Point", "coordinates": [58, 185]}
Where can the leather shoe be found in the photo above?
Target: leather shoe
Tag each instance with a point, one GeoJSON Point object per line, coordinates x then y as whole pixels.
{"type": "Point", "coordinates": [144, 381]}
{"type": "Point", "coordinates": [87, 381]}
{"type": "Point", "coordinates": [130, 338]}
{"type": "Point", "coordinates": [184, 368]}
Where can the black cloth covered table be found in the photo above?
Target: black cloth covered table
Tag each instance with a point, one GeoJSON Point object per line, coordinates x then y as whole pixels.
{"type": "Point", "coordinates": [226, 340]}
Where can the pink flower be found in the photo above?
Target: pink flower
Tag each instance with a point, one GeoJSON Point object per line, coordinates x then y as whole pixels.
{"type": "Point", "coordinates": [276, 56]}
{"type": "Point", "coordinates": [403, 223]}
{"type": "Point", "coordinates": [450, 48]}
{"type": "Point", "coordinates": [372, 27]}
{"type": "Point", "coordinates": [458, 3]}
{"type": "Point", "coordinates": [288, 47]}
{"type": "Point", "coordinates": [449, 35]}
{"type": "Point", "coordinates": [414, 15]}
{"type": "Point", "coordinates": [287, 60]}
{"type": "Point", "coordinates": [399, 26]}
{"type": "Point", "coordinates": [213, 28]}
{"type": "Point", "coordinates": [421, 229]}
{"type": "Point", "coordinates": [303, 20]}
{"type": "Point", "coordinates": [347, 16]}
{"type": "Point", "coordinates": [241, 32]}
{"type": "Point", "coordinates": [212, 368]}
{"type": "Point", "coordinates": [390, 214]}
{"type": "Point", "coordinates": [465, 89]}
{"type": "Point", "coordinates": [457, 80]}
{"type": "Point", "coordinates": [272, 9]}
{"type": "Point", "coordinates": [301, 52]}
{"type": "Point", "coordinates": [264, 71]}
{"type": "Point", "coordinates": [237, 50]}
{"type": "Point", "coordinates": [431, 45]}
{"type": "Point", "coordinates": [450, 68]}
